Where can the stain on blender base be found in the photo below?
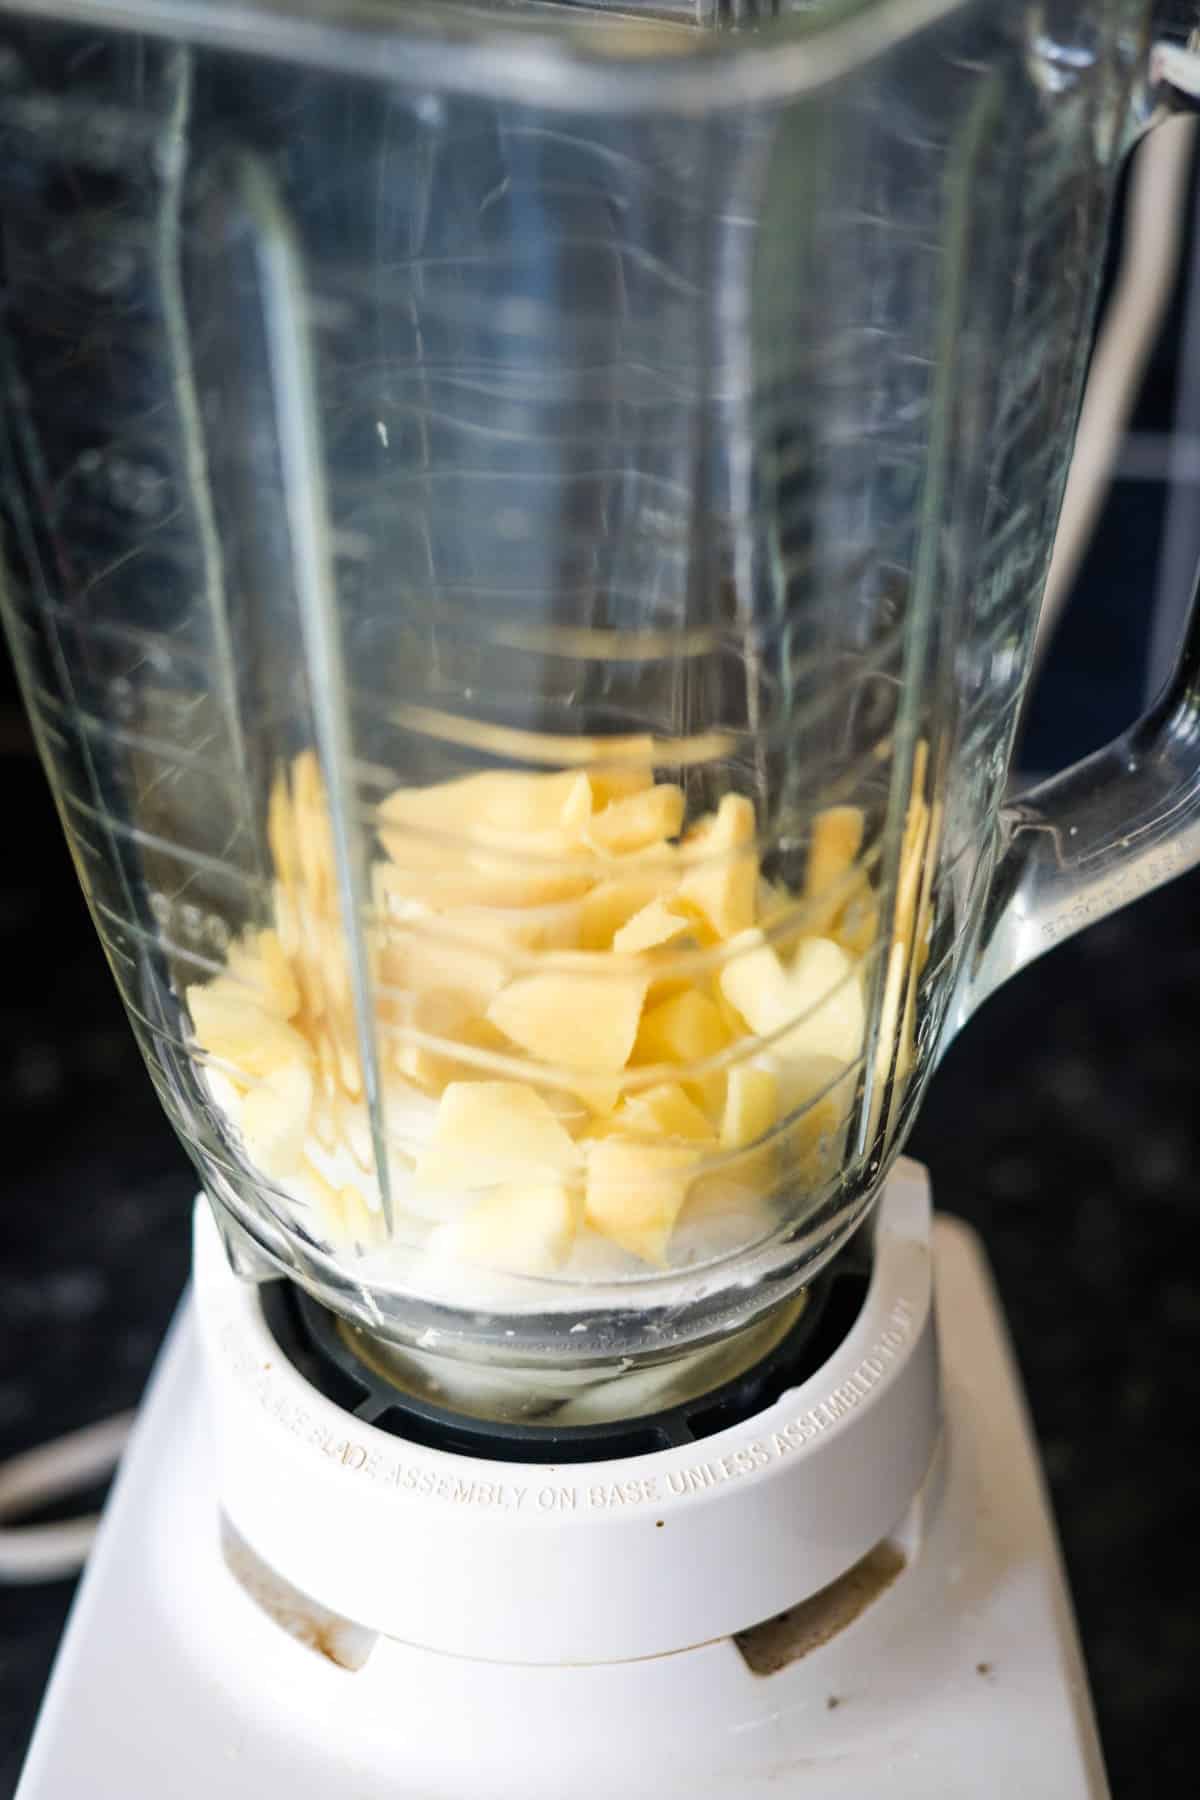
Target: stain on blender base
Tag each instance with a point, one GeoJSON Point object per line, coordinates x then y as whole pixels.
{"type": "Point", "coordinates": [339, 1640]}
{"type": "Point", "coordinates": [771, 1646]}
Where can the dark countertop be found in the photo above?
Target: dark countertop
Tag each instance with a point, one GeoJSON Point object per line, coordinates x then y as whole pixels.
{"type": "Point", "coordinates": [1064, 1124]}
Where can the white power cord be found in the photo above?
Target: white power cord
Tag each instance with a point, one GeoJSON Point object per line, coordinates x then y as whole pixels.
{"type": "Point", "coordinates": [48, 1552]}
{"type": "Point", "coordinates": [1154, 225]}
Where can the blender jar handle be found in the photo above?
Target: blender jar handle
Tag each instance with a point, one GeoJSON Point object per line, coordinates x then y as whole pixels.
{"type": "Point", "coordinates": [1109, 829]}
{"type": "Point", "coordinates": [1127, 819]}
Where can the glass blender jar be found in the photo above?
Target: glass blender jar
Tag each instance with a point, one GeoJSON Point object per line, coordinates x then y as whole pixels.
{"type": "Point", "coordinates": [523, 529]}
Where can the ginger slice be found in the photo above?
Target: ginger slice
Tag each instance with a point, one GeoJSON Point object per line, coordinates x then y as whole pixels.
{"type": "Point", "coordinates": [636, 1191]}
{"type": "Point", "coordinates": [488, 1132]}
{"type": "Point", "coordinates": [723, 888]}
{"type": "Point", "coordinates": [574, 1019]}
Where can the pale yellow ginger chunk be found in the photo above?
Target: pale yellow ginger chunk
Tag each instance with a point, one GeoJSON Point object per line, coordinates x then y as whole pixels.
{"type": "Point", "coordinates": [636, 1191]}
{"type": "Point", "coordinates": [598, 1095]}
{"type": "Point", "coordinates": [493, 808]}
{"type": "Point", "coordinates": [664, 1111]}
{"type": "Point", "coordinates": [423, 958]}
{"type": "Point", "coordinates": [555, 926]}
{"type": "Point", "coordinates": [275, 1119]}
{"type": "Point", "coordinates": [489, 839]}
{"type": "Point", "coordinates": [353, 1124]}
{"type": "Point", "coordinates": [820, 997]}
{"type": "Point", "coordinates": [483, 879]}
{"type": "Point", "coordinates": [259, 960]}
{"type": "Point", "coordinates": [834, 1026]}
{"type": "Point", "coordinates": [523, 1228]}
{"type": "Point", "coordinates": [751, 1106]}
{"type": "Point", "coordinates": [837, 835]}
{"type": "Point", "coordinates": [362, 1224]}
{"type": "Point", "coordinates": [510, 929]}
{"type": "Point", "coordinates": [723, 886]}
{"type": "Point", "coordinates": [347, 1213]}
{"type": "Point", "coordinates": [349, 1069]}
{"type": "Point", "coordinates": [857, 926]}
{"type": "Point", "coordinates": [287, 919]}
{"type": "Point", "coordinates": [686, 1028]}
{"type": "Point", "coordinates": [409, 1114]}
{"type": "Point", "coordinates": [630, 775]}
{"type": "Point", "coordinates": [803, 1079]}
{"type": "Point", "coordinates": [489, 1132]}
{"type": "Point", "coordinates": [229, 1025]}
{"type": "Point", "coordinates": [612, 904]}
{"type": "Point", "coordinates": [754, 983]}
{"type": "Point", "coordinates": [638, 821]}
{"type": "Point", "coordinates": [912, 856]}
{"type": "Point", "coordinates": [655, 925]}
{"type": "Point", "coordinates": [313, 833]}
{"type": "Point", "coordinates": [911, 924]}
{"type": "Point", "coordinates": [426, 1035]}
{"type": "Point", "coordinates": [573, 1019]}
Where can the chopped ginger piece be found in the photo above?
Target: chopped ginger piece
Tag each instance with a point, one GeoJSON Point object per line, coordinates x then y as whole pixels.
{"type": "Point", "coordinates": [233, 1027]}
{"type": "Point", "coordinates": [820, 997]}
{"type": "Point", "coordinates": [483, 879]}
{"type": "Point", "coordinates": [525, 1228]}
{"type": "Point", "coordinates": [612, 904]}
{"type": "Point", "coordinates": [638, 821]}
{"type": "Point", "coordinates": [575, 1019]}
{"type": "Point", "coordinates": [598, 1095]}
{"type": "Point", "coordinates": [491, 807]}
{"type": "Point", "coordinates": [911, 920]}
{"type": "Point", "coordinates": [636, 1191]}
{"type": "Point", "coordinates": [751, 1106]}
{"type": "Point", "coordinates": [828, 986]}
{"type": "Point", "coordinates": [656, 924]}
{"type": "Point", "coordinates": [258, 960]}
{"type": "Point", "coordinates": [494, 1131]}
{"type": "Point", "coordinates": [685, 1029]}
{"type": "Point", "coordinates": [616, 780]}
{"type": "Point", "coordinates": [754, 982]}
{"type": "Point", "coordinates": [858, 925]}
{"type": "Point", "coordinates": [416, 959]}
{"type": "Point", "coordinates": [347, 1214]}
{"type": "Point", "coordinates": [275, 1119]}
{"type": "Point", "coordinates": [427, 1034]}
{"type": "Point", "coordinates": [488, 839]}
{"type": "Point", "coordinates": [837, 835]}
{"type": "Point", "coordinates": [723, 887]}
{"type": "Point", "coordinates": [664, 1111]}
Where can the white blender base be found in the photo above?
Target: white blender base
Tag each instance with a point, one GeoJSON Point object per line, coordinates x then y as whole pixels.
{"type": "Point", "coordinates": [962, 1678]}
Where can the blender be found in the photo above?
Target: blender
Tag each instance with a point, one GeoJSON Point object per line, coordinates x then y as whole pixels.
{"type": "Point", "coordinates": [523, 528]}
